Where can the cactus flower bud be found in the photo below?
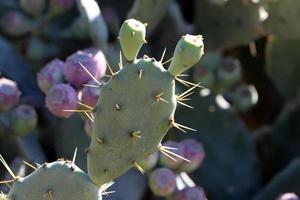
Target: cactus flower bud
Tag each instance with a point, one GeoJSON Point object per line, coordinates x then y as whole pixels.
{"type": "Point", "coordinates": [50, 74]}
{"type": "Point", "coordinates": [24, 119]}
{"type": "Point", "coordinates": [162, 182]}
{"type": "Point", "coordinates": [61, 97]}
{"type": "Point", "coordinates": [9, 94]}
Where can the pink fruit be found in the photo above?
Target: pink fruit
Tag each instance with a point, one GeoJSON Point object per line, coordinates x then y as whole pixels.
{"type": "Point", "coordinates": [9, 94]}
{"type": "Point", "coordinates": [90, 95]}
{"type": "Point", "coordinates": [50, 74]}
{"type": "Point", "coordinates": [61, 97]}
{"type": "Point", "coordinates": [162, 182]}
{"type": "Point", "coordinates": [193, 151]}
{"type": "Point", "coordinates": [190, 193]}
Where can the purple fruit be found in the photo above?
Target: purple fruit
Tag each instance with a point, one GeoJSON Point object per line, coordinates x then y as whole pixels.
{"type": "Point", "coordinates": [162, 182]}
{"type": "Point", "coordinates": [61, 97]}
{"type": "Point", "coordinates": [24, 119]}
{"type": "Point", "coordinates": [50, 74]}
{"type": "Point", "coordinates": [9, 94]}
{"type": "Point", "coordinates": [15, 23]}
{"type": "Point", "coordinates": [150, 161]}
{"type": "Point", "coordinates": [193, 151]}
{"type": "Point", "coordinates": [168, 162]}
{"type": "Point", "coordinates": [92, 61]}
{"type": "Point", "coordinates": [88, 127]}
{"type": "Point", "coordinates": [33, 7]}
{"type": "Point", "coordinates": [90, 95]}
{"type": "Point", "coordinates": [190, 193]}
{"type": "Point", "coordinates": [288, 196]}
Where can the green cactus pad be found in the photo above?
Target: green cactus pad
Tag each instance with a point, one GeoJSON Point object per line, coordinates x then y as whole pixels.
{"type": "Point", "coordinates": [188, 52]}
{"type": "Point", "coordinates": [132, 37]}
{"type": "Point", "coordinates": [59, 180]}
{"type": "Point", "coordinates": [131, 119]}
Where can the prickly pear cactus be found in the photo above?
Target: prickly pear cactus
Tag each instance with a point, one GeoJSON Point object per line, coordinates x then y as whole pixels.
{"type": "Point", "coordinates": [137, 105]}
{"type": "Point", "coordinates": [56, 180]}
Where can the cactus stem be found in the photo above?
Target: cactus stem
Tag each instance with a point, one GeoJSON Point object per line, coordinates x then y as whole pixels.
{"type": "Point", "coordinates": [136, 134]}
{"type": "Point", "coordinates": [49, 194]}
{"type": "Point", "coordinates": [163, 55]}
{"type": "Point", "coordinates": [29, 165]}
{"type": "Point", "coordinates": [181, 127]}
{"type": "Point", "coordinates": [184, 104]}
{"type": "Point", "coordinates": [100, 140]}
{"type": "Point", "coordinates": [87, 71]}
{"type": "Point", "coordinates": [74, 156]}
{"type": "Point", "coordinates": [167, 61]}
{"type": "Point", "coordinates": [87, 106]}
{"type": "Point", "coordinates": [138, 167]}
{"type": "Point", "coordinates": [7, 167]}
{"type": "Point", "coordinates": [158, 98]}
{"type": "Point", "coordinates": [169, 154]}
{"type": "Point", "coordinates": [140, 73]}
{"type": "Point", "coordinates": [121, 61]}
{"type": "Point", "coordinates": [90, 116]}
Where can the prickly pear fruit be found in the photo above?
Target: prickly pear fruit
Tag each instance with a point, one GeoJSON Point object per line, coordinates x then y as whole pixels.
{"type": "Point", "coordinates": [168, 162]}
{"type": "Point", "coordinates": [89, 95]}
{"type": "Point", "coordinates": [24, 119]}
{"type": "Point", "coordinates": [61, 97]}
{"type": "Point", "coordinates": [190, 193]}
{"type": "Point", "coordinates": [188, 52]}
{"type": "Point", "coordinates": [50, 75]}
{"type": "Point", "coordinates": [193, 151]}
{"type": "Point", "coordinates": [75, 74]}
{"type": "Point", "coordinates": [33, 7]}
{"type": "Point", "coordinates": [56, 180]}
{"type": "Point", "coordinates": [162, 182]}
{"type": "Point", "coordinates": [14, 23]}
{"type": "Point", "coordinates": [150, 161]}
{"type": "Point", "coordinates": [132, 37]}
{"type": "Point", "coordinates": [9, 94]}
{"type": "Point", "coordinates": [135, 112]}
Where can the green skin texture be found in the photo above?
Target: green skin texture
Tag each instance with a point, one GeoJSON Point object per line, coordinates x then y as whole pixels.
{"type": "Point", "coordinates": [65, 180]}
{"type": "Point", "coordinates": [139, 111]}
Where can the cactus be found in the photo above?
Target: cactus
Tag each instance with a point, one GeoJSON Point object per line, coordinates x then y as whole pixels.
{"type": "Point", "coordinates": [56, 180]}
{"type": "Point", "coordinates": [136, 95]}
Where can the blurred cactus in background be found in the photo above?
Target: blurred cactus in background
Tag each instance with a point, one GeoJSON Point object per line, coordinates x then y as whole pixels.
{"type": "Point", "coordinates": [73, 76]}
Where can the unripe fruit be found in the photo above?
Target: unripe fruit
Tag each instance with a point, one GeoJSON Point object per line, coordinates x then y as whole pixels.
{"type": "Point", "coordinates": [9, 94]}
{"type": "Point", "coordinates": [162, 182]}
{"type": "Point", "coordinates": [193, 151]}
{"type": "Point", "coordinates": [50, 74]}
{"type": "Point", "coordinates": [24, 119]}
{"type": "Point", "coordinates": [61, 97]}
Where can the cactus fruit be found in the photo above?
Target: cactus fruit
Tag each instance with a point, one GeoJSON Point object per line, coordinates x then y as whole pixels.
{"type": "Point", "coordinates": [168, 162]}
{"type": "Point", "coordinates": [190, 193]}
{"type": "Point", "coordinates": [50, 75]}
{"type": "Point", "coordinates": [9, 94]}
{"type": "Point", "coordinates": [162, 182]}
{"type": "Point", "coordinates": [24, 119]}
{"type": "Point", "coordinates": [14, 23]}
{"type": "Point", "coordinates": [132, 37]}
{"type": "Point", "coordinates": [60, 98]}
{"type": "Point", "coordinates": [288, 196]}
{"type": "Point", "coordinates": [193, 151]}
{"type": "Point", "coordinates": [89, 95]}
{"type": "Point", "coordinates": [93, 61]}
{"type": "Point", "coordinates": [56, 180]}
{"type": "Point", "coordinates": [33, 7]}
{"type": "Point", "coordinates": [140, 101]}
{"type": "Point", "coordinates": [149, 162]}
